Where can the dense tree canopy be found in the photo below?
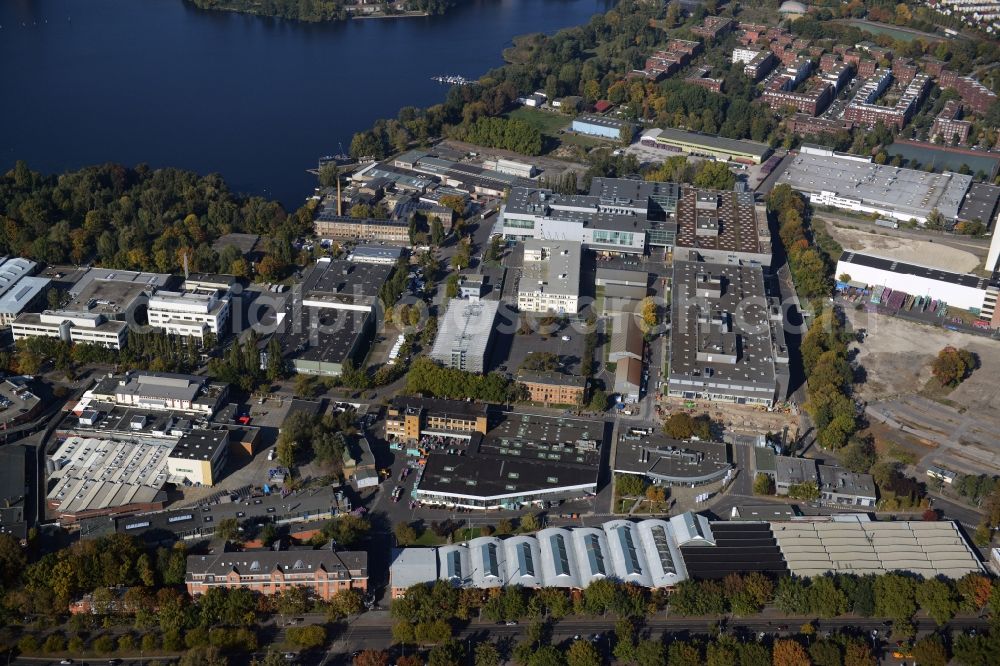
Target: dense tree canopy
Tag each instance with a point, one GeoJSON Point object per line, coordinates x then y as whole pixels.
{"type": "Point", "coordinates": [136, 218]}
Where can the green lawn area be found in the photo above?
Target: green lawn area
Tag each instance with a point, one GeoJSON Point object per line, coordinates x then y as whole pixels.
{"type": "Point", "coordinates": [547, 122]}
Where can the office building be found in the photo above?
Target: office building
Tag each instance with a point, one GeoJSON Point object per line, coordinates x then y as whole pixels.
{"type": "Point", "coordinates": [199, 457]}
{"type": "Point", "coordinates": [340, 284]}
{"type": "Point", "coordinates": [553, 388]}
{"type": "Point", "coordinates": [465, 335]}
{"type": "Point", "coordinates": [376, 254]}
{"type": "Point", "coordinates": [618, 216]}
{"type": "Point", "coordinates": [71, 326]}
{"type": "Point", "coordinates": [321, 573]}
{"type": "Point", "coordinates": [408, 418]}
{"type": "Point", "coordinates": [855, 183]}
{"type": "Point", "coordinates": [601, 126]}
{"type": "Point", "coordinates": [723, 343]}
{"type": "Point", "coordinates": [13, 270]}
{"type": "Point", "coordinates": [550, 277]}
{"type": "Point", "coordinates": [669, 462]}
{"type": "Point", "coordinates": [329, 225]}
{"type": "Point", "coordinates": [705, 145]}
{"type": "Point", "coordinates": [190, 313]}
{"type": "Point", "coordinates": [523, 459]}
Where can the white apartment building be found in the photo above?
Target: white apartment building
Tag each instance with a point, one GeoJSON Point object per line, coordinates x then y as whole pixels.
{"type": "Point", "coordinates": [550, 277]}
{"type": "Point", "coordinates": [189, 313]}
{"type": "Point", "coordinates": [745, 54]}
{"type": "Point", "coordinates": [75, 327]}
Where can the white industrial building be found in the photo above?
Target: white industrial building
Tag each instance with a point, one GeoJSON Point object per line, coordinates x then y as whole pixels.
{"type": "Point", "coordinates": [856, 183]}
{"type": "Point", "coordinates": [193, 313]}
{"type": "Point", "coordinates": [512, 168]}
{"type": "Point", "coordinates": [71, 326]}
{"type": "Point", "coordinates": [550, 277]}
{"type": "Point", "coordinates": [645, 553]}
{"type": "Point", "coordinates": [967, 292]}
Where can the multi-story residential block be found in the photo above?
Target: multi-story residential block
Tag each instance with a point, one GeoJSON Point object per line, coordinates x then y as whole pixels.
{"type": "Point", "coordinates": [550, 277]}
{"type": "Point", "coordinates": [864, 109]}
{"type": "Point", "coordinates": [949, 124]}
{"type": "Point", "coordinates": [700, 77]}
{"type": "Point", "coordinates": [713, 27]}
{"type": "Point", "coordinates": [745, 54]}
{"type": "Point", "coordinates": [322, 573]}
{"type": "Point", "coordinates": [974, 94]}
{"type": "Point", "coordinates": [779, 93]}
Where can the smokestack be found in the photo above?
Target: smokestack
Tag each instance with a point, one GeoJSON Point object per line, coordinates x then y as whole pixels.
{"type": "Point", "coordinates": [339, 204]}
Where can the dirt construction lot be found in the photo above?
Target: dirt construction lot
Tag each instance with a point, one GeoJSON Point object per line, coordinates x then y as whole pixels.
{"type": "Point", "coordinates": [960, 425]}
{"type": "Point", "coordinates": [907, 250]}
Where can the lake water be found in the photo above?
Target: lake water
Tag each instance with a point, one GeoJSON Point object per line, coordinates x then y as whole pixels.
{"type": "Point", "coordinates": [255, 99]}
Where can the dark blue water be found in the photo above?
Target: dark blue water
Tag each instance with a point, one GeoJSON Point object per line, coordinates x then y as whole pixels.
{"type": "Point", "coordinates": [255, 99]}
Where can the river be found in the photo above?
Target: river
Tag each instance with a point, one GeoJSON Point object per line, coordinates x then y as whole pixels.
{"type": "Point", "coordinates": [255, 99]}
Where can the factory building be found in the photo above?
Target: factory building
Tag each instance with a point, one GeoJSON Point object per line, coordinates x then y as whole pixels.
{"type": "Point", "coordinates": [968, 292]}
{"type": "Point", "coordinates": [857, 184]}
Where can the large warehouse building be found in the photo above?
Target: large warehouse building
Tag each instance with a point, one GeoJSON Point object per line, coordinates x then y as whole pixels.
{"type": "Point", "coordinates": [853, 544]}
{"type": "Point", "coordinates": [658, 553]}
{"type": "Point", "coordinates": [693, 143]}
{"type": "Point", "coordinates": [857, 184]}
{"type": "Point", "coordinates": [727, 343]}
{"type": "Point", "coordinates": [968, 292]}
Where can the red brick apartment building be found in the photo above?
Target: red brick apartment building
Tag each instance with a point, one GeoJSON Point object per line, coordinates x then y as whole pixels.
{"type": "Point", "coordinates": [322, 572]}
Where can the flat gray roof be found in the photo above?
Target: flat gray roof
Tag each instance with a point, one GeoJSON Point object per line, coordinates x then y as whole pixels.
{"type": "Point", "coordinates": [906, 191]}
{"type": "Point", "coordinates": [558, 272]}
{"type": "Point", "coordinates": [721, 340]}
{"type": "Point", "coordinates": [671, 461]}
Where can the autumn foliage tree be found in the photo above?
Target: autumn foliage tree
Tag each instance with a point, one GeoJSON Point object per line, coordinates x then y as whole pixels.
{"type": "Point", "coordinates": [789, 653]}
{"type": "Point", "coordinates": [952, 366]}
